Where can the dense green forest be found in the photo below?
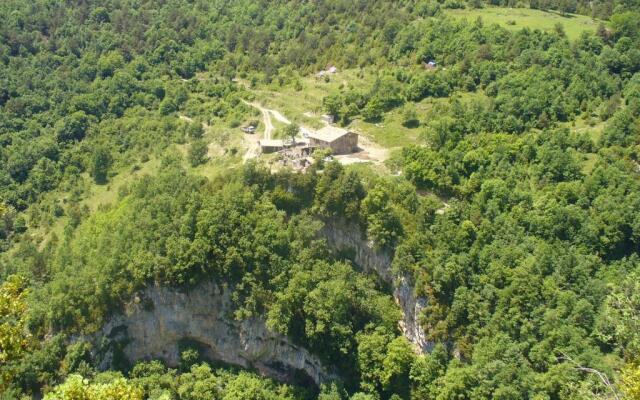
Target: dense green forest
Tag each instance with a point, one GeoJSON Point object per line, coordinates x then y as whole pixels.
{"type": "Point", "coordinates": [515, 211]}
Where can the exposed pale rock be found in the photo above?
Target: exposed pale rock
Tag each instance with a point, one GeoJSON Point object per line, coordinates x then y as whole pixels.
{"type": "Point", "coordinates": [159, 318]}
{"type": "Point", "coordinates": [153, 327]}
{"type": "Point", "coordinates": [349, 240]}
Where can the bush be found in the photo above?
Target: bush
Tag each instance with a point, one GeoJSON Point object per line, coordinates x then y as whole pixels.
{"type": "Point", "coordinates": [100, 164]}
{"type": "Point", "coordinates": [410, 116]}
{"type": "Point", "coordinates": [195, 130]}
{"type": "Point", "coordinates": [372, 112]}
{"type": "Point", "coordinates": [197, 153]}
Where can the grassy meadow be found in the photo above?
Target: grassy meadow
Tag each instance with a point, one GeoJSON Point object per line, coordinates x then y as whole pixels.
{"type": "Point", "coordinates": [573, 24]}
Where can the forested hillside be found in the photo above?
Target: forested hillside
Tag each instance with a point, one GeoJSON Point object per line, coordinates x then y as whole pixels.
{"type": "Point", "coordinates": [510, 201]}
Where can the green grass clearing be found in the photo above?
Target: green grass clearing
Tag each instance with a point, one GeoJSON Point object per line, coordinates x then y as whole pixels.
{"type": "Point", "coordinates": [589, 163]}
{"type": "Point", "coordinates": [295, 104]}
{"type": "Point", "coordinates": [573, 24]}
{"type": "Point", "coordinates": [593, 127]}
{"type": "Point", "coordinates": [305, 106]}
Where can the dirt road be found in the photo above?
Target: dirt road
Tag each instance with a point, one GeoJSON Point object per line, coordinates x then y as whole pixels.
{"type": "Point", "coordinates": [369, 152]}
{"type": "Point", "coordinates": [266, 118]}
{"type": "Point", "coordinates": [252, 140]}
{"type": "Point", "coordinates": [253, 149]}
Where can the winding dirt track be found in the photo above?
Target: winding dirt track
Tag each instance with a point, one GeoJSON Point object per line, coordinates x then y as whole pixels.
{"type": "Point", "coordinates": [266, 118]}
{"type": "Point", "coordinates": [253, 140]}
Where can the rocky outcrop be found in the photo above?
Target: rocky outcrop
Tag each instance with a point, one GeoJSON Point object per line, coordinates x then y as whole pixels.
{"type": "Point", "coordinates": [411, 307]}
{"type": "Point", "coordinates": [348, 240]}
{"type": "Point", "coordinates": [161, 318]}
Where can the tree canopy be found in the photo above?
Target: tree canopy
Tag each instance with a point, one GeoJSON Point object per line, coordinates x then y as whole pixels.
{"type": "Point", "coordinates": [513, 210]}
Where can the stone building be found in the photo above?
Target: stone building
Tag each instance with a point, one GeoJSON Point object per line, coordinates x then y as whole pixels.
{"type": "Point", "coordinates": [271, 146]}
{"type": "Point", "coordinates": [340, 141]}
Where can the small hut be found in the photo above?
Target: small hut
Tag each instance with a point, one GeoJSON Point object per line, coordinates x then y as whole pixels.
{"type": "Point", "coordinates": [271, 146]}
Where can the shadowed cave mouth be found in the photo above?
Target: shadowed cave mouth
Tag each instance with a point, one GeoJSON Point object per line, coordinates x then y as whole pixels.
{"type": "Point", "coordinates": [199, 351]}
{"type": "Point", "coordinates": [193, 351]}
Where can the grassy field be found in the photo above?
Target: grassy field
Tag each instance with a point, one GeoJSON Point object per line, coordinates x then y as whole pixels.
{"type": "Point", "coordinates": [573, 24]}
{"type": "Point", "coordinates": [305, 106]}
{"type": "Point", "coordinates": [594, 130]}
{"type": "Point", "coordinates": [298, 105]}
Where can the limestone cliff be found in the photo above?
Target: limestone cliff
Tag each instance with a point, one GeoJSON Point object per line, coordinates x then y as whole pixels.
{"type": "Point", "coordinates": [160, 318]}
{"type": "Point", "coordinates": [350, 241]}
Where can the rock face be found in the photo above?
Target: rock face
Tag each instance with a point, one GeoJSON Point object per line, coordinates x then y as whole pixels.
{"type": "Point", "coordinates": [350, 241]}
{"type": "Point", "coordinates": [161, 318]}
